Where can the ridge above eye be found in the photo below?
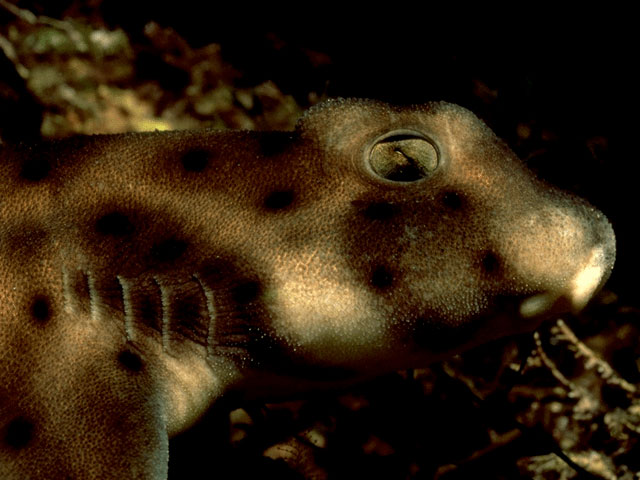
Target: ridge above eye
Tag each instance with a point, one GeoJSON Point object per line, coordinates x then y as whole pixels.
{"type": "Point", "coordinates": [403, 156]}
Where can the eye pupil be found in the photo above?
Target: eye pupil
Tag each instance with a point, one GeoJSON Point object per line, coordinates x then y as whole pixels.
{"type": "Point", "coordinates": [403, 158]}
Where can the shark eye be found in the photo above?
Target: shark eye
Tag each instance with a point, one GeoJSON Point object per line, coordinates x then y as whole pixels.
{"type": "Point", "coordinates": [403, 157]}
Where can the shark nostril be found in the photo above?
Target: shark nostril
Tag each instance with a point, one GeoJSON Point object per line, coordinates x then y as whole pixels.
{"type": "Point", "coordinates": [546, 304]}
{"type": "Point", "coordinates": [537, 304]}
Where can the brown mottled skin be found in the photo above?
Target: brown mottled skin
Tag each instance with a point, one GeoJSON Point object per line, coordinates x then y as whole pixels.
{"type": "Point", "coordinates": [142, 275]}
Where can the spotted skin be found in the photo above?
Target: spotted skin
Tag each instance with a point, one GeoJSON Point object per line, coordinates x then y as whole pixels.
{"type": "Point", "coordinates": [143, 275]}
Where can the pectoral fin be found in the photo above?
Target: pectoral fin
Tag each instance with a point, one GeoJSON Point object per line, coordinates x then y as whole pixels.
{"type": "Point", "coordinates": [83, 415]}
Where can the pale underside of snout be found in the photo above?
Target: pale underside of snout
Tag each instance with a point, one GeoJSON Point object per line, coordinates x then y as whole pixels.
{"type": "Point", "coordinates": [565, 253]}
{"type": "Point", "coordinates": [579, 290]}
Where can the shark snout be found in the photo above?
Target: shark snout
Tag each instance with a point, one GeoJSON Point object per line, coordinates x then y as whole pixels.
{"type": "Point", "coordinates": [584, 268]}
{"type": "Point", "coordinates": [579, 290]}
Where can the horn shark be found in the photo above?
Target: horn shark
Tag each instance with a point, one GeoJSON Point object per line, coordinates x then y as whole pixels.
{"type": "Point", "coordinates": [144, 275]}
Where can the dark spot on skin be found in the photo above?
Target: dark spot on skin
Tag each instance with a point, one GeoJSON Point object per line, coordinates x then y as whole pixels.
{"type": "Point", "coordinates": [19, 433]}
{"type": "Point", "coordinates": [168, 250]}
{"type": "Point", "coordinates": [274, 143]}
{"type": "Point", "coordinates": [114, 223]}
{"type": "Point", "coordinates": [452, 200]}
{"type": "Point", "coordinates": [195, 160]}
{"type": "Point", "coordinates": [40, 309]}
{"type": "Point", "coordinates": [35, 169]}
{"type": "Point", "coordinates": [490, 262]}
{"type": "Point", "coordinates": [246, 292]}
{"type": "Point", "coordinates": [381, 211]}
{"type": "Point", "coordinates": [381, 277]}
{"type": "Point", "coordinates": [129, 360]}
{"type": "Point", "coordinates": [279, 200]}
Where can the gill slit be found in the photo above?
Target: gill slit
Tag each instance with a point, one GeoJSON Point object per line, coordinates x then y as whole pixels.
{"type": "Point", "coordinates": [166, 314]}
{"type": "Point", "coordinates": [66, 291]}
{"type": "Point", "coordinates": [211, 312]}
{"type": "Point", "coordinates": [93, 297]}
{"type": "Point", "coordinates": [127, 307]}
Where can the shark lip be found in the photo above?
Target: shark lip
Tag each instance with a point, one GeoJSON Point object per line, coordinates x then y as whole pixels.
{"type": "Point", "coordinates": [544, 304]}
{"type": "Point", "coordinates": [580, 288]}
